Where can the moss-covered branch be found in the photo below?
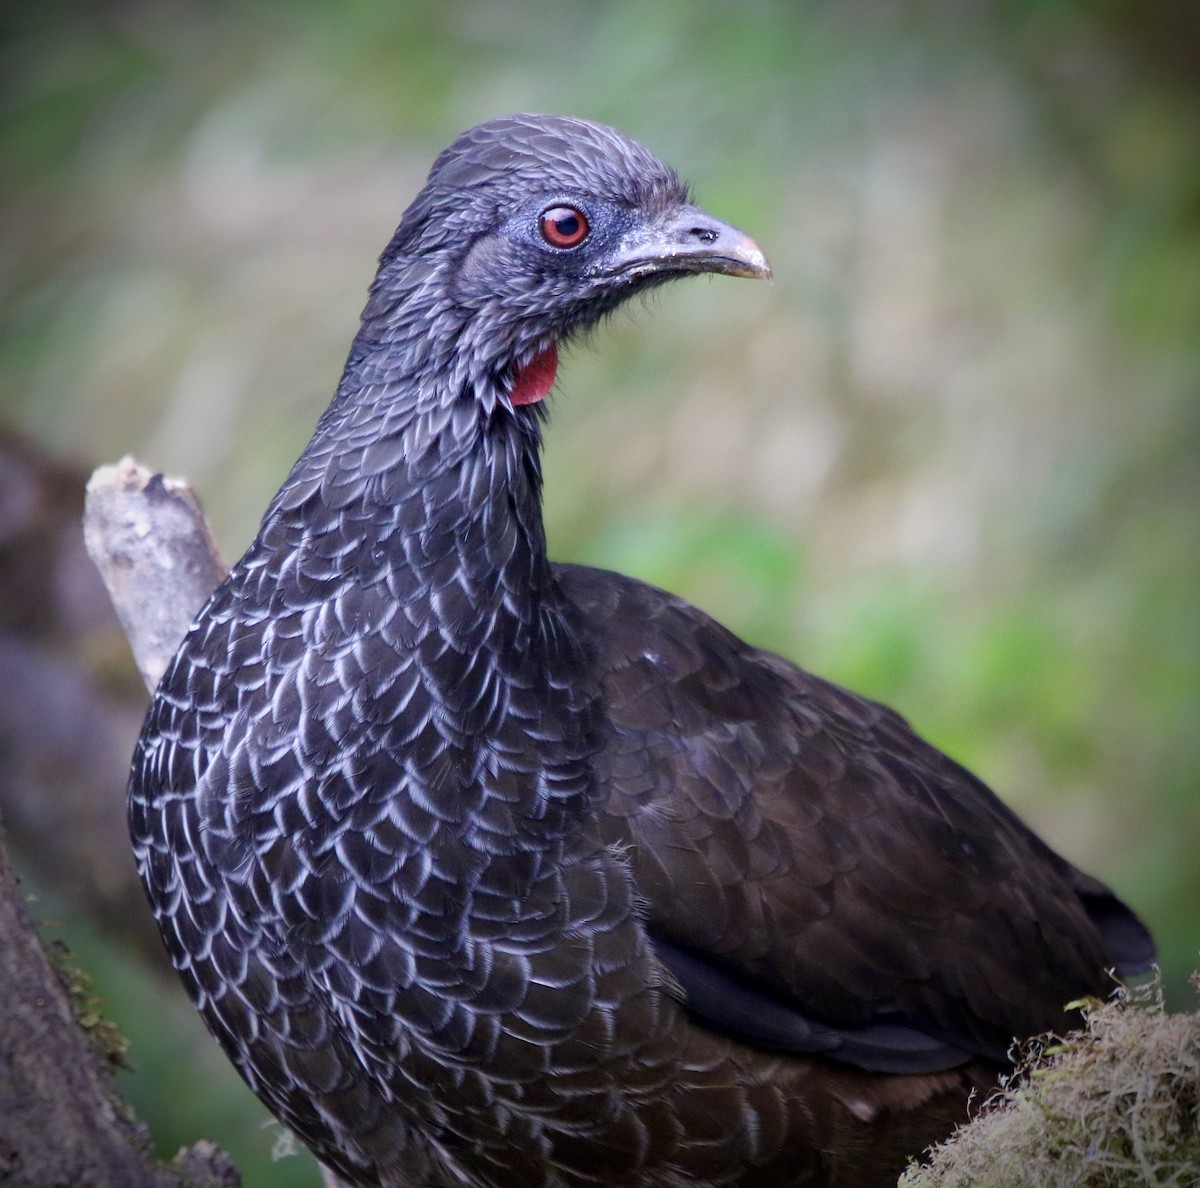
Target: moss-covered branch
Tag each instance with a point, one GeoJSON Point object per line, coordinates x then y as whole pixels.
{"type": "Point", "coordinates": [62, 1120]}
{"type": "Point", "coordinates": [1116, 1105]}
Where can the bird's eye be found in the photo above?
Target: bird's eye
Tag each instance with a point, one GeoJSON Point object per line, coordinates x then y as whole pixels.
{"type": "Point", "coordinates": [564, 226]}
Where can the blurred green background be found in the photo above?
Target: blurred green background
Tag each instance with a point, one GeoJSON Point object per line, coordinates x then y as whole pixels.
{"type": "Point", "coordinates": [949, 457]}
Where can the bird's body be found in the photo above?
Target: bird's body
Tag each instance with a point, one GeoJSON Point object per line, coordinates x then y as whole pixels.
{"type": "Point", "coordinates": [488, 871]}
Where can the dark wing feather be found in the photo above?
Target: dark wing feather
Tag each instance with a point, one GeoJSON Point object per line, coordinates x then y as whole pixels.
{"type": "Point", "coordinates": [801, 851]}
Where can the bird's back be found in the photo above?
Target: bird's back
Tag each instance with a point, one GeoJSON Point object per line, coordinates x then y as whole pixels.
{"type": "Point", "coordinates": [806, 841]}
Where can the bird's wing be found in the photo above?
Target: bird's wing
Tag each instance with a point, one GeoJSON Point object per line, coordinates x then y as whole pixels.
{"type": "Point", "coordinates": [817, 877]}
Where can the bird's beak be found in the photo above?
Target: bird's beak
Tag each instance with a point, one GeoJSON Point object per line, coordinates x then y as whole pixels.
{"type": "Point", "coordinates": [686, 240]}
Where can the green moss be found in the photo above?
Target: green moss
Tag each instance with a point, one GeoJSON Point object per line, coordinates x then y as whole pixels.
{"type": "Point", "coordinates": [1116, 1105]}
{"type": "Point", "coordinates": [105, 1037]}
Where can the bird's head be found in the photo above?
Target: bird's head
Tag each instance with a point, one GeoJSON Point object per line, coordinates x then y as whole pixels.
{"type": "Point", "coordinates": [531, 228]}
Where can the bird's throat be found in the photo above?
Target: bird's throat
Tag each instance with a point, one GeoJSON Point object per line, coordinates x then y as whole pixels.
{"type": "Point", "coordinates": [532, 381]}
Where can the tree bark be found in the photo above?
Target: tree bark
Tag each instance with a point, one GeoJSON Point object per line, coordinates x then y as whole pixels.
{"type": "Point", "coordinates": [62, 1122]}
{"type": "Point", "coordinates": [68, 719]}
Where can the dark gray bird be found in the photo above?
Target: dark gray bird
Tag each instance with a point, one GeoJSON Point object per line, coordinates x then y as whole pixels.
{"type": "Point", "coordinates": [488, 871]}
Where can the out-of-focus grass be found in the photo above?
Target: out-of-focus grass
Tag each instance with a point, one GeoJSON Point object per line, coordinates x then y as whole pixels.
{"type": "Point", "coordinates": [949, 457]}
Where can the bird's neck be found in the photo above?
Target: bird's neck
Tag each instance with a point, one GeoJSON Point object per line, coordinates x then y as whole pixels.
{"type": "Point", "coordinates": [420, 458]}
{"type": "Point", "coordinates": [417, 506]}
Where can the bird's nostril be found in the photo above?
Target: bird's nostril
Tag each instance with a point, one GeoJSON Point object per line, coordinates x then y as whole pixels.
{"type": "Point", "coordinates": [704, 234]}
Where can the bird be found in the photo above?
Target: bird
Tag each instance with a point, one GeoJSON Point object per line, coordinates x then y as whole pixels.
{"type": "Point", "coordinates": [487, 870]}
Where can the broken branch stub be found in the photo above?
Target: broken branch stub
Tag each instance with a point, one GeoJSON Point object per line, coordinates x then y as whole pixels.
{"type": "Point", "coordinates": [148, 537]}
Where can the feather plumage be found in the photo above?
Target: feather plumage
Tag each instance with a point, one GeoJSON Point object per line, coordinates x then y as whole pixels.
{"type": "Point", "coordinates": [486, 871]}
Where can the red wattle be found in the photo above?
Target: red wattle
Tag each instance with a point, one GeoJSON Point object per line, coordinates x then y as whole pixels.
{"type": "Point", "coordinates": [534, 381]}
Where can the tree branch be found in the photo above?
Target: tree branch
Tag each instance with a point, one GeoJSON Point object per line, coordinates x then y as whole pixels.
{"type": "Point", "coordinates": [61, 1118]}
{"type": "Point", "coordinates": [149, 539]}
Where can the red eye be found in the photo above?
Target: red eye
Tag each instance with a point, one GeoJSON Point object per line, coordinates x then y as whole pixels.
{"type": "Point", "coordinates": [564, 226]}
